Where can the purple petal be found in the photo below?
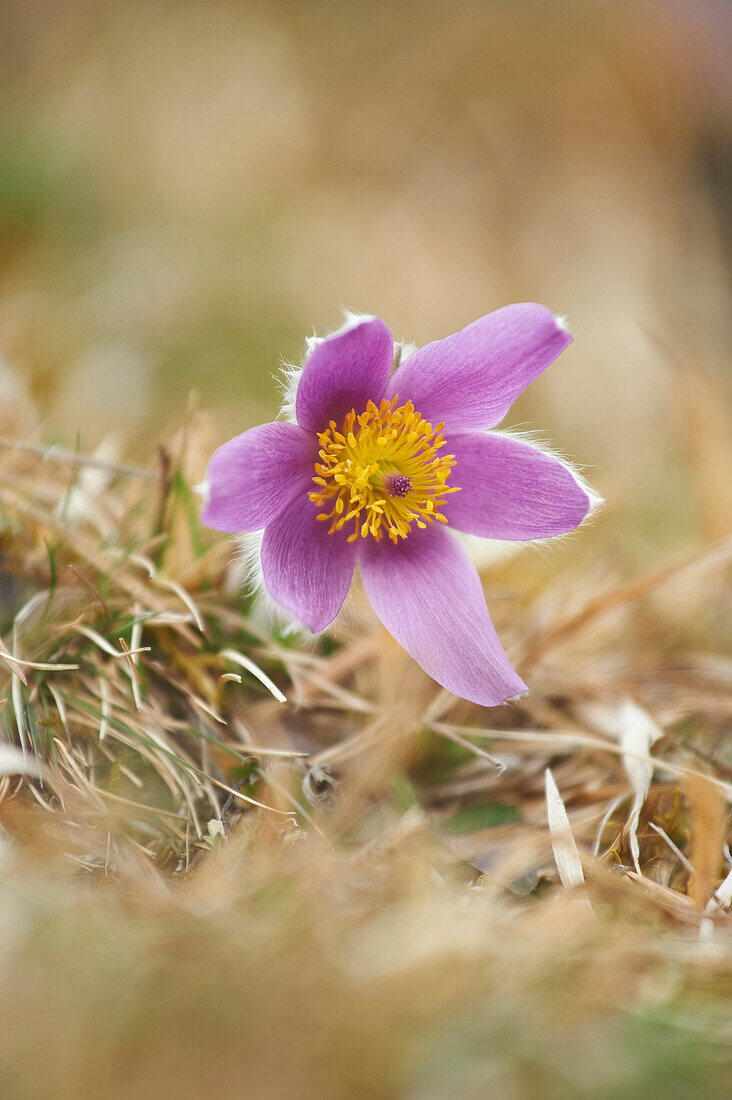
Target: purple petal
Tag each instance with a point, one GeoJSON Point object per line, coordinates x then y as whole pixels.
{"type": "Point", "coordinates": [509, 490]}
{"type": "Point", "coordinates": [471, 379]}
{"type": "Point", "coordinates": [428, 596]}
{"type": "Point", "coordinates": [345, 371]}
{"type": "Point", "coordinates": [307, 570]}
{"type": "Point", "coordinates": [254, 476]}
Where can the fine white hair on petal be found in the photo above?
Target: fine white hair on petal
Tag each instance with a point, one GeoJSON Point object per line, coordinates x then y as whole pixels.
{"type": "Point", "coordinates": [402, 351]}
{"type": "Point", "coordinates": [515, 698]}
{"type": "Point", "coordinates": [288, 381]}
{"type": "Point", "coordinates": [405, 349]}
{"type": "Point", "coordinates": [562, 323]}
{"type": "Point", "coordinates": [248, 572]}
{"type": "Point", "coordinates": [248, 576]}
{"type": "Point", "coordinates": [204, 490]}
{"type": "Point", "coordinates": [351, 320]}
{"type": "Point", "coordinates": [289, 378]}
{"type": "Point", "coordinates": [539, 443]}
{"type": "Point", "coordinates": [485, 552]}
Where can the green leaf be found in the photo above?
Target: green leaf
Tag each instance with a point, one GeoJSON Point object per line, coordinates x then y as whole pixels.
{"type": "Point", "coordinates": [403, 793]}
{"type": "Point", "coordinates": [51, 550]}
{"type": "Point", "coordinates": [486, 815]}
{"type": "Point", "coordinates": [185, 495]}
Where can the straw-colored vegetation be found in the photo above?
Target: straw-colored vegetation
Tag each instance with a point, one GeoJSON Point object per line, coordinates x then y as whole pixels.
{"type": "Point", "coordinates": [239, 863]}
{"type": "Point", "coordinates": [354, 891]}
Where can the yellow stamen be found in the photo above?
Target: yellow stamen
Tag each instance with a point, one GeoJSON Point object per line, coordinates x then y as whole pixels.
{"type": "Point", "coordinates": [381, 472]}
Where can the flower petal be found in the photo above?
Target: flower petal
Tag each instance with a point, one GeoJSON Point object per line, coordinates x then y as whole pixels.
{"type": "Point", "coordinates": [510, 490]}
{"type": "Point", "coordinates": [428, 596]}
{"type": "Point", "coordinates": [305, 569]}
{"type": "Point", "coordinates": [344, 372]}
{"type": "Point", "coordinates": [254, 476]}
{"type": "Point", "coordinates": [471, 379]}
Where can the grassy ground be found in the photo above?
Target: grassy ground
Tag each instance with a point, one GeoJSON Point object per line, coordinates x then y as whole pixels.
{"type": "Point", "coordinates": [362, 890]}
{"type": "Point", "coordinates": [353, 892]}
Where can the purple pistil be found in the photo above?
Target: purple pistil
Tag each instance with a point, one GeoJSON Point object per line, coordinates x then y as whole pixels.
{"type": "Point", "coordinates": [397, 485]}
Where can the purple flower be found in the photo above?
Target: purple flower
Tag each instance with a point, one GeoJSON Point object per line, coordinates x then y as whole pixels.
{"type": "Point", "coordinates": [376, 467]}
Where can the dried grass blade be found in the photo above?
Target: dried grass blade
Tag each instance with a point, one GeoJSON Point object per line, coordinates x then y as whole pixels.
{"type": "Point", "coordinates": [16, 698]}
{"type": "Point", "coordinates": [710, 557]}
{"type": "Point", "coordinates": [72, 458]}
{"type": "Point", "coordinates": [250, 666]}
{"type": "Point", "coordinates": [104, 697]}
{"type": "Point", "coordinates": [674, 847]}
{"type": "Point", "coordinates": [133, 673]}
{"type": "Point", "coordinates": [42, 666]}
{"type": "Point", "coordinates": [566, 854]}
{"type": "Point", "coordinates": [636, 732]}
{"type": "Point", "coordinates": [566, 737]}
{"type": "Point", "coordinates": [184, 597]}
{"type": "Point", "coordinates": [102, 642]}
{"type": "Point", "coordinates": [7, 656]}
{"type": "Point", "coordinates": [445, 731]}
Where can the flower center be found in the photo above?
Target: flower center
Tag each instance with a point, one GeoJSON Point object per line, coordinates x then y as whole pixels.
{"type": "Point", "coordinates": [381, 472]}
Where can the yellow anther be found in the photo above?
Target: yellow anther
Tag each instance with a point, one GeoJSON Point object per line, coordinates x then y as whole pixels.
{"type": "Point", "coordinates": [360, 459]}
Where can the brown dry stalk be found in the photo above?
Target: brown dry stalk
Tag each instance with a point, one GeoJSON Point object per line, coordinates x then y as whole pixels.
{"type": "Point", "coordinates": [708, 827]}
{"type": "Point", "coordinates": [709, 558]}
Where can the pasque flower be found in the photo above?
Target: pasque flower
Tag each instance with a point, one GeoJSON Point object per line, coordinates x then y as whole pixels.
{"type": "Point", "coordinates": [379, 467]}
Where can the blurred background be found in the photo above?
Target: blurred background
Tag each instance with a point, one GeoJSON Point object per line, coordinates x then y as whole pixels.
{"type": "Point", "coordinates": [188, 188]}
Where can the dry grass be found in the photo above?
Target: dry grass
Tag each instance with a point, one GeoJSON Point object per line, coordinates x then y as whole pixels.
{"type": "Point", "coordinates": [353, 892]}
{"type": "Point", "coordinates": [356, 893]}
